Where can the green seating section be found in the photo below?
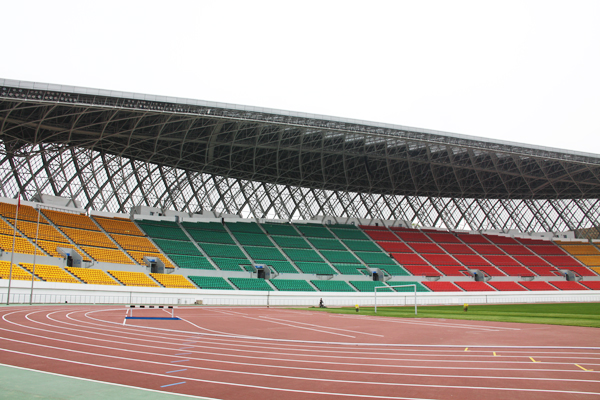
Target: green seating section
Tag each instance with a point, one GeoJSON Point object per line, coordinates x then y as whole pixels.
{"type": "Point", "coordinates": [361, 245]}
{"type": "Point", "coordinates": [349, 269]}
{"type": "Point", "coordinates": [211, 237]}
{"type": "Point", "coordinates": [369, 286]}
{"type": "Point", "coordinates": [291, 242]}
{"type": "Point", "coordinates": [349, 234]}
{"type": "Point", "coordinates": [420, 287]}
{"type": "Point", "coordinates": [303, 255]}
{"type": "Point", "coordinates": [253, 239]}
{"type": "Point", "coordinates": [210, 282]}
{"type": "Point", "coordinates": [203, 226]}
{"type": "Point", "coordinates": [264, 253]}
{"type": "Point", "coordinates": [327, 244]}
{"type": "Point", "coordinates": [313, 230]}
{"type": "Point", "coordinates": [393, 270]}
{"type": "Point", "coordinates": [279, 266]}
{"type": "Point", "coordinates": [315, 268]}
{"type": "Point", "coordinates": [222, 250]}
{"type": "Point", "coordinates": [375, 258]}
{"type": "Point", "coordinates": [247, 227]}
{"type": "Point", "coordinates": [292, 285]}
{"type": "Point", "coordinates": [248, 268]}
{"type": "Point", "coordinates": [280, 229]}
{"type": "Point", "coordinates": [332, 286]}
{"type": "Point", "coordinates": [230, 264]}
{"type": "Point", "coordinates": [184, 261]}
{"type": "Point", "coordinates": [250, 284]}
{"type": "Point", "coordinates": [343, 226]}
{"type": "Point", "coordinates": [162, 229]}
{"type": "Point", "coordinates": [339, 257]}
{"type": "Point", "coordinates": [177, 247]}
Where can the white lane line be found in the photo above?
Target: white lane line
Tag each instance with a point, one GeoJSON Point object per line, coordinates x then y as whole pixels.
{"type": "Point", "coordinates": [311, 379]}
{"type": "Point", "coordinates": [321, 326]}
{"type": "Point", "coordinates": [433, 323]}
{"type": "Point", "coordinates": [172, 384]}
{"type": "Point", "coordinates": [293, 368]}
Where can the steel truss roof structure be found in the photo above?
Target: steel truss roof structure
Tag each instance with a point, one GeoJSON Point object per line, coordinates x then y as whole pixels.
{"type": "Point", "coordinates": [113, 150]}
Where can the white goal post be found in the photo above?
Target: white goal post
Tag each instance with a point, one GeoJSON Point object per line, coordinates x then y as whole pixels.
{"type": "Point", "coordinates": [381, 287]}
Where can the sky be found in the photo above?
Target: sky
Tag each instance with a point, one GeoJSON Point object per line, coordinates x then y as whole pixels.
{"type": "Point", "coordinates": [521, 71]}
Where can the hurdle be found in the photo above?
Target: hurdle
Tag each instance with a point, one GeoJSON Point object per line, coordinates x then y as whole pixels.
{"type": "Point", "coordinates": [131, 307]}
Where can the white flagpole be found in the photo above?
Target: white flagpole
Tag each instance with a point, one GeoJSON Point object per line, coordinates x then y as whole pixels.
{"type": "Point", "coordinates": [12, 255]}
{"type": "Point", "coordinates": [37, 232]}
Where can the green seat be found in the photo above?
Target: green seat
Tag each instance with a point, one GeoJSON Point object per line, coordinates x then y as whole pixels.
{"type": "Point", "coordinates": [279, 266]}
{"type": "Point", "coordinates": [222, 250]}
{"type": "Point", "coordinates": [369, 286]}
{"type": "Point", "coordinates": [332, 286]}
{"type": "Point", "coordinates": [264, 253]}
{"type": "Point", "coordinates": [162, 229]}
{"type": "Point", "coordinates": [370, 258]}
{"type": "Point", "coordinates": [230, 264]}
{"type": "Point", "coordinates": [291, 242]}
{"type": "Point", "coordinates": [303, 255]}
{"type": "Point", "coordinates": [211, 237]}
{"type": "Point", "coordinates": [393, 270]}
{"type": "Point", "coordinates": [178, 247]}
{"type": "Point", "coordinates": [315, 268]}
{"type": "Point", "coordinates": [280, 229]}
{"type": "Point", "coordinates": [420, 287]}
{"type": "Point", "coordinates": [313, 230]}
{"type": "Point", "coordinates": [248, 227]}
{"type": "Point", "coordinates": [349, 269]}
{"type": "Point", "coordinates": [253, 239]}
{"type": "Point", "coordinates": [210, 282]}
{"type": "Point", "coordinates": [203, 226]}
{"type": "Point", "coordinates": [250, 284]}
{"type": "Point", "coordinates": [327, 244]}
{"type": "Point", "coordinates": [350, 234]}
{"type": "Point", "coordinates": [184, 261]}
{"type": "Point", "coordinates": [339, 257]}
{"type": "Point", "coordinates": [361, 245]}
{"type": "Point", "coordinates": [292, 285]}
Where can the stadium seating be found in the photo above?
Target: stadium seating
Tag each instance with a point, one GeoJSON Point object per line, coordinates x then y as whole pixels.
{"type": "Point", "coordinates": [568, 285]}
{"type": "Point", "coordinates": [120, 226]}
{"type": "Point", "coordinates": [222, 250]}
{"type": "Point", "coordinates": [517, 271]}
{"type": "Point", "coordinates": [375, 259]}
{"type": "Point", "coordinates": [18, 273]}
{"type": "Point", "coordinates": [442, 287]}
{"type": "Point", "coordinates": [545, 271]}
{"type": "Point", "coordinates": [583, 271]}
{"type": "Point", "coordinates": [362, 245]}
{"type": "Point", "coordinates": [253, 239]}
{"type": "Point", "coordinates": [408, 236]}
{"type": "Point", "coordinates": [450, 270]}
{"type": "Point", "coordinates": [421, 247]}
{"type": "Point", "coordinates": [422, 270]}
{"type": "Point", "coordinates": [173, 281]}
{"type": "Point", "coordinates": [491, 271]}
{"type": "Point", "coordinates": [26, 213]}
{"type": "Point", "coordinates": [420, 287]}
{"type": "Point", "coordinates": [50, 273]}
{"type": "Point", "coordinates": [89, 238]}
{"type": "Point", "coordinates": [71, 220]}
{"type": "Point", "coordinates": [184, 261]}
{"type": "Point", "coordinates": [280, 229]}
{"type": "Point", "coordinates": [472, 238]}
{"type": "Point", "coordinates": [369, 286]}
{"type": "Point", "coordinates": [409, 259]}
{"type": "Point", "coordinates": [294, 242]}
{"type": "Point", "coordinates": [314, 230]}
{"type": "Point", "coordinates": [547, 250]}
{"type": "Point", "coordinates": [92, 276]}
{"type": "Point", "coordinates": [138, 243]}
{"type": "Point", "coordinates": [393, 270]}
{"type": "Point", "coordinates": [502, 261]}
{"type": "Point", "coordinates": [472, 286]}
{"type": "Point", "coordinates": [590, 261]}
{"type": "Point", "coordinates": [279, 266]}
{"type": "Point", "coordinates": [22, 245]}
{"type": "Point", "coordinates": [206, 236]}
{"type": "Point", "coordinates": [531, 261]}
{"type": "Point", "coordinates": [292, 285]}
{"type": "Point", "coordinates": [441, 237]}
{"type": "Point", "coordinates": [471, 260]}
{"type": "Point", "coordinates": [349, 269]}
{"type": "Point", "coordinates": [332, 286]}
{"type": "Point", "coordinates": [515, 250]}
{"type": "Point", "coordinates": [562, 261]}
{"type": "Point", "coordinates": [353, 234]}
{"type": "Point", "coordinates": [328, 244]}
{"type": "Point", "coordinates": [211, 282]}
{"type": "Point", "coordinates": [305, 255]}
{"type": "Point", "coordinates": [133, 278]}
{"type": "Point", "coordinates": [440, 259]}
{"type": "Point", "coordinates": [487, 249]}
{"type": "Point", "coordinates": [107, 255]}
{"type": "Point", "coordinates": [592, 285]}
{"type": "Point", "coordinates": [319, 268]}
{"type": "Point", "coordinates": [251, 284]}
{"type": "Point", "coordinates": [454, 248]}
{"type": "Point", "coordinates": [496, 239]}
{"type": "Point", "coordinates": [162, 229]}
{"type": "Point", "coordinates": [581, 249]}
{"type": "Point", "coordinates": [537, 285]}
{"type": "Point", "coordinates": [264, 253]}
{"type": "Point", "coordinates": [339, 257]}
{"type": "Point", "coordinates": [230, 264]}
{"type": "Point", "coordinates": [395, 247]}
{"type": "Point", "coordinates": [507, 286]}
{"type": "Point", "coordinates": [382, 236]}
{"type": "Point", "coordinates": [139, 257]}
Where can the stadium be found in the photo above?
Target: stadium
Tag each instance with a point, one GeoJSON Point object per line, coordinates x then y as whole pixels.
{"type": "Point", "coordinates": [130, 199]}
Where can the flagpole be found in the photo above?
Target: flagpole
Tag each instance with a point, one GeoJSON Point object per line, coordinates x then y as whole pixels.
{"type": "Point", "coordinates": [37, 232]}
{"type": "Point", "coordinates": [12, 255]}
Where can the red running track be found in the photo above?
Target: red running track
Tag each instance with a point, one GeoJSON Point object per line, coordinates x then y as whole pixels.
{"type": "Point", "coordinates": [258, 353]}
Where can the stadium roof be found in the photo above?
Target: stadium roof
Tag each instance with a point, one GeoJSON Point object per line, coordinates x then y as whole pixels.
{"type": "Point", "coordinates": [292, 149]}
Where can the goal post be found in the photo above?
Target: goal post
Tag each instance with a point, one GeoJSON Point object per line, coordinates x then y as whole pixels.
{"type": "Point", "coordinates": [395, 286]}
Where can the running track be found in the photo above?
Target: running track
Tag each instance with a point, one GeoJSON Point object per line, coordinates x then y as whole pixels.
{"type": "Point", "coordinates": [258, 353]}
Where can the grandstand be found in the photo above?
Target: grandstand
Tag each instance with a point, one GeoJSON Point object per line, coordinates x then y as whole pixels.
{"type": "Point", "coordinates": [328, 206]}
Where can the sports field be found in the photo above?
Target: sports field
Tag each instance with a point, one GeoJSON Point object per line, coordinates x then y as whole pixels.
{"type": "Point", "coordinates": [573, 314]}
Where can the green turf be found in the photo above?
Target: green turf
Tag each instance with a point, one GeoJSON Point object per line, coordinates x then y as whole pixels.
{"type": "Point", "coordinates": [575, 314]}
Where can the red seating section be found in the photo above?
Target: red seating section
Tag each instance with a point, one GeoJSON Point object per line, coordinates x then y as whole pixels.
{"type": "Point", "coordinates": [531, 261]}
{"type": "Point", "coordinates": [471, 239]}
{"type": "Point", "coordinates": [491, 271]}
{"type": "Point", "coordinates": [457, 248]}
{"type": "Point", "coordinates": [562, 261]}
{"type": "Point", "coordinates": [545, 271]}
{"type": "Point", "coordinates": [583, 271]}
{"type": "Point", "coordinates": [594, 285]}
{"type": "Point", "coordinates": [440, 259]}
{"type": "Point", "coordinates": [426, 248]}
{"type": "Point", "coordinates": [517, 271]}
{"type": "Point", "coordinates": [547, 250]}
{"type": "Point", "coordinates": [486, 249]}
{"type": "Point", "coordinates": [568, 285]}
{"type": "Point", "coordinates": [395, 247]}
{"type": "Point", "coordinates": [382, 235]}
{"type": "Point", "coordinates": [516, 250]}
{"type": "Point", "coordinates": [537, 285]}
{"type": "Point", "coordinates": [475, 286]}
{"type": "Point", "coordinates": [443, 237]}
{"type": "Point", "coordinates": [410, 259]}
{"type": "Point", "coordinates": [507, 286]}
{"type": "Point", "coordinates": [442, 286]}
{"type": "Point", "coordinates": [413, 236]}
{"type": "Point", "coordinates": [453, 270]}
{"type": "Point", "coordinates": [500, 239]}
{"type": "Point", "coordinates": [501, 261]}
{"type": "Point", "coordinates": [471, 260]}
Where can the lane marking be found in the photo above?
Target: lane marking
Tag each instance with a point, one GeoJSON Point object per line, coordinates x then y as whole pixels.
{"type": "Point", "coordinates": [177, 361]}
{"type": "Point", "coordinates": [584, 368]}
{"type": "Point", "coordinates": [173, 384]}
{"type": "Point", "coordinates": [533, 359]}
{"type": "Point", "coordinates": [321, 326]}
{"type": "Point", "coordinates": [466, 349]}
{"type": "Point", "coordinates": [177, 370]}
{"type": "Point", "coordinates": [494, 354]}
{"type": "Point", "coordinates": [182, 354]}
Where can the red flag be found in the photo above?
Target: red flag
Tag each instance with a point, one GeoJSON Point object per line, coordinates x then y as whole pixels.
{"type": "Point", "coordinates": [19, 201]}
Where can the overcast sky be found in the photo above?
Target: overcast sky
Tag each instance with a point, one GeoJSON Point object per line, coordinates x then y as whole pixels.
{"type": "Point", "coordinates": [523, 71]}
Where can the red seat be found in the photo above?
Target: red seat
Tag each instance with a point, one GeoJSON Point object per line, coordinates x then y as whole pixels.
{"type": "Point", "coordinates": [473, 238]}
{"type": "Point", "coordinates": [537, 285]}
{"type": "Point", "coordinates": [409, 259]}
{"type": "Point", "coordinates": [533, 241]}
{"type": "Point", "coordinates": [562, 261]}
{"type": "Point", "coordinates": [507, 286]}
{"type": "Point", "coordinates": [531, 261]}
{"type": "Point", "coordinates": [426, 248]}
{"type": "Point", "coordinates": [583, 271]}
{"type": "Point", "coordinates": [442, 286]}
{"type": "Point", "coordinates": [383, 236]}
{"type": "Point", "coordinates": [372, 228]}
{"type": "Point", "coordinates": [413, 236]}
{"type": "Point", "coordinates": [395, 247]}
{"type": "Point", "coordinates": [568, 285]}
{"type": "Point", "coordinates": [457, 248]}
{"type": "Point", "coordinates": [471, 260]}
{"type": "Point", "coordinates": [491, 271]}
{"type": "Point", "coordinates": [517, 271]}
{"type": "Point", "coordinates": [443, 237]}
{"type": "Point", "coordinates": [593, 285]}
{"type": "Point", "coordinates": [516, 250]}
{"type": "Point", "coordinates": [487, 249]}
{"type": "Point", "coordinates": [545, 271]}
{"type": "Point", "coordinates": [547, 250]}
{"type": "Point", "coordinates": [453, 270]}
{"type": "Point", "coordinates": [501, 261]}
{"type": "Point", "coordinates": [475, 286]}
{"type": "Point", "coordinates": [440, 259]}
{"type": "Point", "coordinates": [500, 239]}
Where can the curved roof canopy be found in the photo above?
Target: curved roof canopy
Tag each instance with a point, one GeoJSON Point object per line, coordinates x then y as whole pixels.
{"type": "Point", "coordinates": [284, 148]}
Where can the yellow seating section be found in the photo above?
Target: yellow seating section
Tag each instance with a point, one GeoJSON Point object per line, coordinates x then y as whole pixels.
{"type": "Point", "coordinates": [173, 281]}
{"type": "Point", "coordinates": [119, 225]}
{"type": "Point", "coordinates": [107, 255]}
{"type": "Point", "coordinates": [135, 243]}
{"type": "Point", "coordinates": [50, 248]}
{"type": "Point", "coordinates": [596, 269]}
{"type": "Point", "coordinates": [139, 257]}
{"type": "Point", "coordinates": [89, 238]}
{"type": "Point", "coordinates": [92, 276]}
{"type": "Point", "coordinates": [6, 229]}
{"type": "Point", "coordinates": [590, 261]}
{"type": "Point", "coordinates": [80, 221]}
{"type": "Point", "coordinates": [22, 245]}
{"type": "Point", "coordinates": [18, 273]}
{"type": "Point", "coordinates": [26, 213]}
{"type": "Point", "coordinates": [45, 231]}
{"type": "Point", "coordinates": [581, 250]}
{"type": "Point", "coordinates": [50, 273]}
{"type": "Point", "coordinates": [133, 278]}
